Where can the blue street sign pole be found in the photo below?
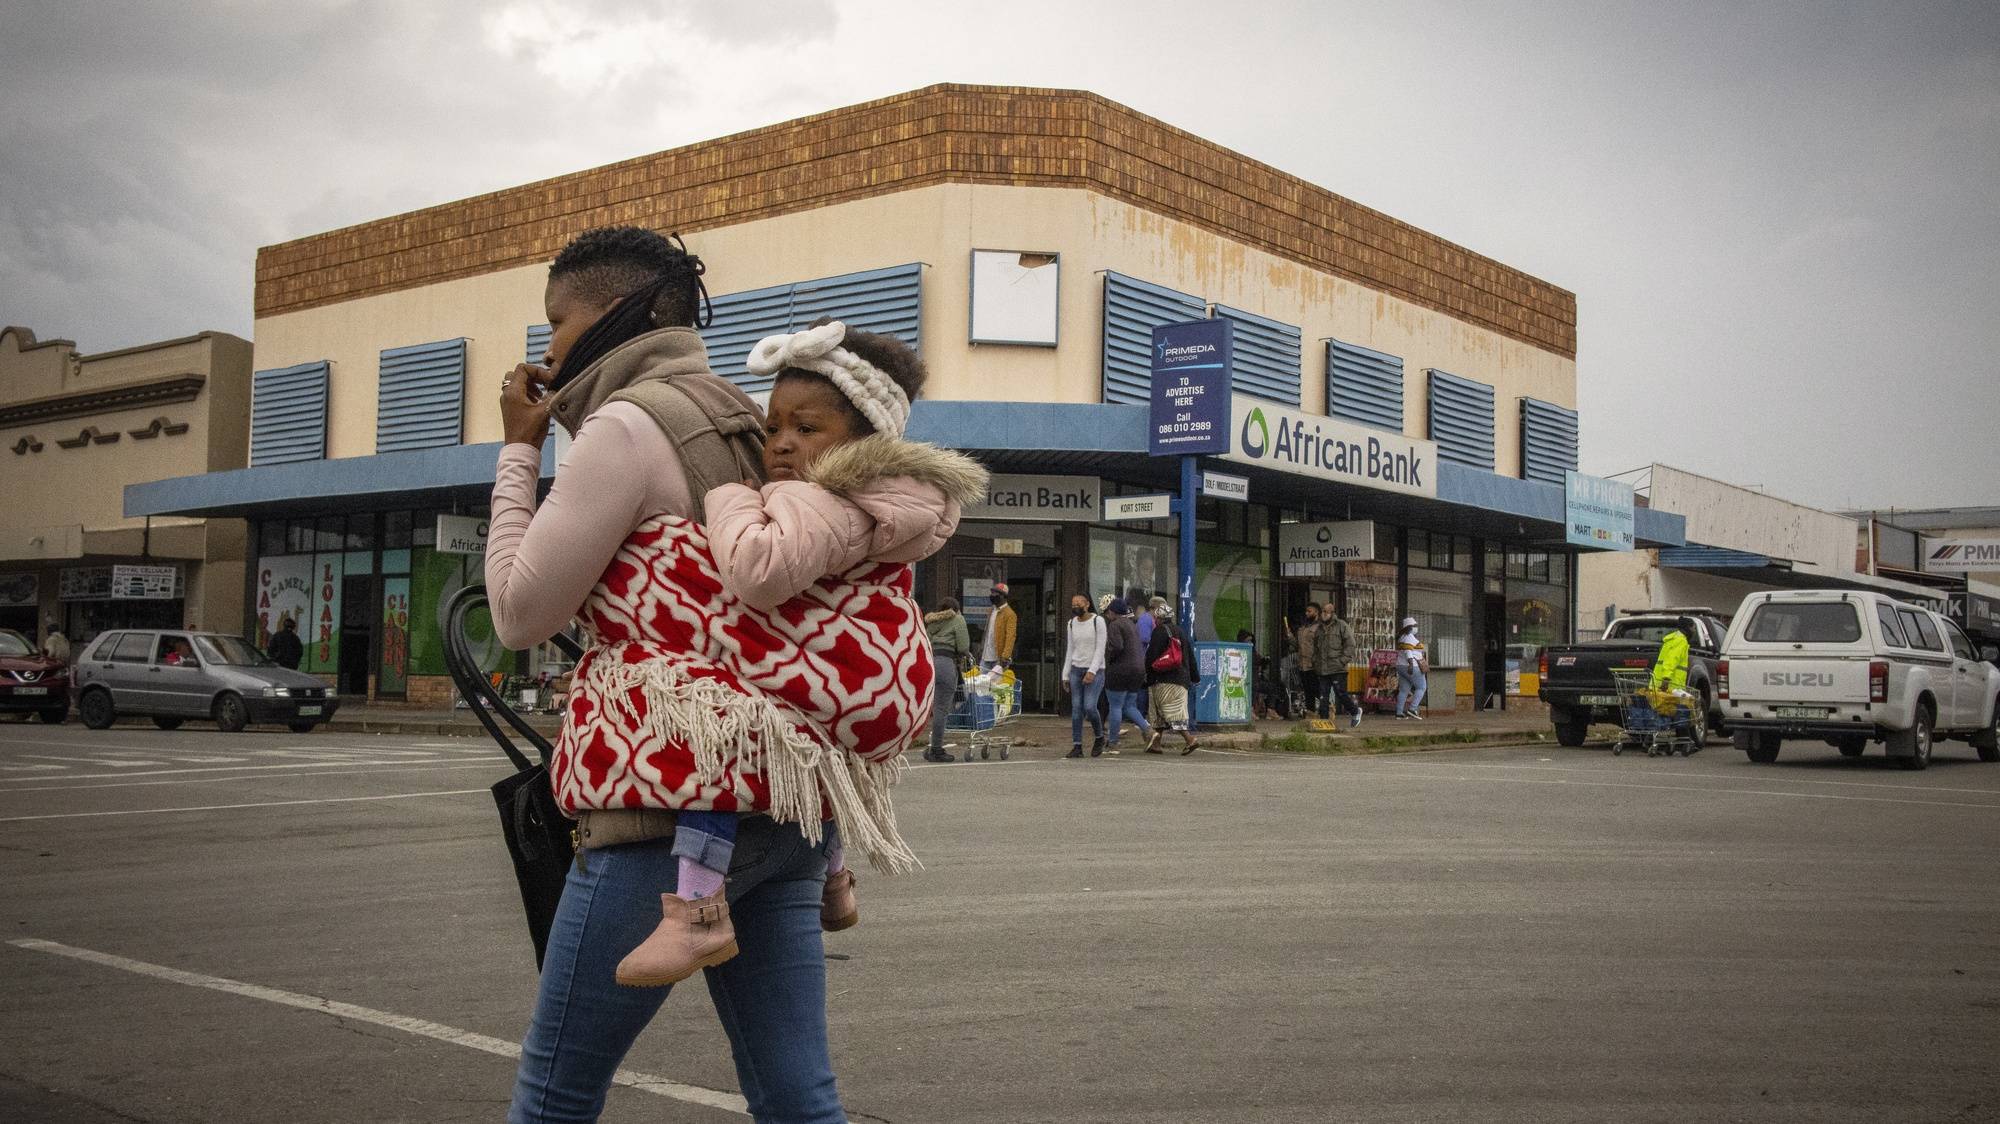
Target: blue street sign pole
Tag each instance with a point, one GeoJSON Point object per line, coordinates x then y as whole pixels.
{"type": "Point", "coordinates": [1190, 417]}
{"type": "Point", "coordinates": [1185, 508]}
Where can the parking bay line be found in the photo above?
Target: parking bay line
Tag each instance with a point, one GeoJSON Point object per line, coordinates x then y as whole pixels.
{"type": "Point", "coordinates": [234, 807]}
{"type": "Point", "coordinates": [424, 1028]}
{"type": "Point", "coordinates": [227, 769]}
{"type": "Point", "coordinates": [440, 766]}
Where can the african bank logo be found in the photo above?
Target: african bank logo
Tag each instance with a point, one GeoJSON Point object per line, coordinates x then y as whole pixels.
{"type": "Point", "coordinates": [1325, 533]}
{"type": "Point", "coordinates": [1256, 448]}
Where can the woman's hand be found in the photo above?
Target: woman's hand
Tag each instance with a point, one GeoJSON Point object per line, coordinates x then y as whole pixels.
{"type": "Point", "coordinates": [524, 405]}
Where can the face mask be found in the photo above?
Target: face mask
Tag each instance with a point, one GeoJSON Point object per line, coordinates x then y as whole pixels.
{"type": "Point", "coordinates": [998, 600]}
{"type": "Point", "coordinates": [1080, 611]}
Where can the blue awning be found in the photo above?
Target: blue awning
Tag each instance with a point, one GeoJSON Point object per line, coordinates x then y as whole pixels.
{"type": "Point", "coordinates": [1030, 437]}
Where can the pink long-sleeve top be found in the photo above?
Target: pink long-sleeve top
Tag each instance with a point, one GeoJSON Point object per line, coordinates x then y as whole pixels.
{"type": "Point", "coordinates": [769, 544]}
{"type": "Point", "coordinates": [541, 563]}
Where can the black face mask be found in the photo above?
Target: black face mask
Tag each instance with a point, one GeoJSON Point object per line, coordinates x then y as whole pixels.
{"type": "Point", "coordinates": [1080, 612]}
{"type": "Point", "coordinates": [998, 601]}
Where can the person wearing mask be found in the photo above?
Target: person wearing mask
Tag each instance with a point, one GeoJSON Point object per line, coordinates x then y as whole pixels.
{"type": "Point", "coordinates": [1001, 629]}
{"type": "Point", "coordinates": [286, 647]}
{"type": "Point", "coordinates": [54, 644]}
{"type": "Point", "coordinates": [1306, 637]}
{"type": "Point", "coordinates": [1333, 651]}
{"type": "Point", "coordinates": [1411, 664]}
{"type": "Point", "coordinates": [1169, 674]}
{"type": "Point", "coordinates": [1083, 669]}
{"type": "Point", "coordinates": [1124, 673]}
{"type": "Point", "coordinates": [951, 645]}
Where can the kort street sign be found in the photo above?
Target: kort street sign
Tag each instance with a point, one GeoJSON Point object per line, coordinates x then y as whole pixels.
{"type": "Point", "coordinates": [1119, 508]}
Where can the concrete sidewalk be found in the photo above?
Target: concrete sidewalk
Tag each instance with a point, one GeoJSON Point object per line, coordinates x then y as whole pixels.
{"type": "Point", "coordinates": [1458, 727]}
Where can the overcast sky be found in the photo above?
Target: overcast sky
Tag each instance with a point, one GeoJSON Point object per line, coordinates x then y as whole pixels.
{"type": "Point", "coordinates": [1782, 228]}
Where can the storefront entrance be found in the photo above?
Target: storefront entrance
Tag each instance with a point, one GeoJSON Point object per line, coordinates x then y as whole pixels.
{"type": "Point", "coordinates": [357, 633]}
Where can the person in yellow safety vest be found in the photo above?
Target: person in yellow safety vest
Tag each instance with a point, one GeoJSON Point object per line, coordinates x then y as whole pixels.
{"type": "Point", "coordinates": [1670, 670]}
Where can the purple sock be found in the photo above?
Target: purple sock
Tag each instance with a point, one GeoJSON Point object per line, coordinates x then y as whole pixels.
{"type": "Point", "coordinates": [697, 881]}
{"type": "Point", "coordinates": [836, 858]}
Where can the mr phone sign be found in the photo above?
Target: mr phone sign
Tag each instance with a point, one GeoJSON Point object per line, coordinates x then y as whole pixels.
{"type": "Point", "coordinates": [1191, 378]}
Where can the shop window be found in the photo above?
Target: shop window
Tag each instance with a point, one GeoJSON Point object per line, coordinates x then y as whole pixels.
{"type": "Point", "coordinates": [420, 397]}
{"type": "Point", "coordinates": [299, 537]}
{"type": "Point", "coordinates": [1461, 413]}
{"type": "Point", "coordinates": [423, 527]}
{"type": "Point", "coordinates": [396, 530]}
{"type": "Point", "coordinates": [1266, 358]}
{"type": "Point", "coordinates": [288, 414]}
{"type": "Point", "coordinates": [1442, 604]}
{"type": "Point", "coordinates": [1538, 566]}
{"type": "Point", "coordinates": [1132, 309]}
{"type": "Point", "coordinates": [1385, 543]}
{"type": "Point", "coordinates": [330, 534]}
{"type": "Point", "coordinates": [1461, 554]}
{"type": "Point", "coordinates": [361, 532]}
{"type": "Point", "coordinates": [1418, 546]}
{"type": "Point", "coordinates": [1015, 297]}
{"type": "Point", "coordinates": [271, 537]}
{"type": "Point", "coordinates": [1368, 592]}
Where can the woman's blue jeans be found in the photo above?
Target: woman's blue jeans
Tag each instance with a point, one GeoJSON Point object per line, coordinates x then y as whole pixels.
{"type": "Point", "coordinates": [1410, 687]}
{"type": "Point", "coordinates": [944, 697]}
{"type": "Point", "coordinates": [1126, 705]}
{"type": "Point", "coordinates": [1083, 704]}
{"type": "Point", "coordinates": [771, 998]}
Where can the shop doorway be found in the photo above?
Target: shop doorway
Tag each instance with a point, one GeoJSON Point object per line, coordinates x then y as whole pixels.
{"type": "Point", "coordinates": [1492, 686]}
{"type": "Point", "coordinates": [357, 634]}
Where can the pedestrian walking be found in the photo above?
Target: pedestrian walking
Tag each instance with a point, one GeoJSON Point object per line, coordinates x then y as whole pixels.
{"type": "Point", "coordinates": [951, 647]}
{"type": "Point", "coordinates": [1083, 664]}
{"type": "Point", "coordinates": [1333, 652]}
{"type": "Point", "coordinates": [54, 644]}
{"type": "Point", "coordinates": [1124, 672]}
{"type": "Point", "coordinates": [627, 375]}
{"type": "Point", "coordinates": [1169, 674]}
{"type": "Point", "coordinates": [1306, 638]}
{"type": "Point", "coordinates": [287, 650]}
{"type": "Point", "coordinates": [1411, 665]}
{"type": "Point", "coordinates": [1001, 630]}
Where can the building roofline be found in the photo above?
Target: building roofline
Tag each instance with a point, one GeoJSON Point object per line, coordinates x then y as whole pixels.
{"type": "Point", "coordinates": [939, 134]}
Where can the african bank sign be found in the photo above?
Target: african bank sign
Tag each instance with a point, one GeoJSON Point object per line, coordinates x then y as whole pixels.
{"type": "Point", "coordinates": [1277, 437]}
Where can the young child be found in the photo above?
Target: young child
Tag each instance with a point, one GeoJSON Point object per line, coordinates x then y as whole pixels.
{"type": "Point", "coordinates": [846, 495]}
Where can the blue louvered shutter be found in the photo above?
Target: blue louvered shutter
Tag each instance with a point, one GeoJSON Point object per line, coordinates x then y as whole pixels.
{"type": "Point", "coordinates": [538, 342]}
{"type": "Point", "coordinates": [288, 414]}
{"type": "Point", "coordinates": [739, 321]}
{"type": "Point", "coordinates": [1132, 309]}
{"type": "Point", "coordinates": [1364, 386]}
{"type": "Point", "coordinates": [1462, 419]}
{"type": "Point", "coordinates": [1266, 356]}
{"type": "Point", "coordinates": [1548, 441]}
{"type": "Point", "coordinates": [421, 397]}
{"type": "Point", "coordinates": [887, 301]}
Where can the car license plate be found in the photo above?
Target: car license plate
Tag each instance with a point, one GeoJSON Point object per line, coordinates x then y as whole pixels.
{"type": "Point", "coordinates": [1600, 700]}
{"type": "Point", "coordinates": [308, 711]}
{"type": "Point", "coordinates": [1802, 711]}
{"type": "Point", "coordinates": [31, 690]}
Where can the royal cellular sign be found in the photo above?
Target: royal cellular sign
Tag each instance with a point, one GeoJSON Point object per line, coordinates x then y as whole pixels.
{"type": "Point", "coordinates": [1191, 367]}
{"type": "Point", "coordinates": [1278, 437]}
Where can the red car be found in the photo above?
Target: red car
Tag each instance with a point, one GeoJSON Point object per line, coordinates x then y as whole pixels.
{"type": "Point", "coordinates": [31, 681]}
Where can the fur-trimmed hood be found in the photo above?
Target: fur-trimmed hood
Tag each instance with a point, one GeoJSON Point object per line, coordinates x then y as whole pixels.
{"type": "Point", "coordinates": [939, 616]}
{"type": "Point", "coordinates": [852, 468]}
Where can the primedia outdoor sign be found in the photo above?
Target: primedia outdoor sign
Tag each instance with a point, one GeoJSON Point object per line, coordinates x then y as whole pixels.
{"type": "Point", "coordinates": [1278, 437]}
{"type": "Point", "coordinates": [1190, 403]}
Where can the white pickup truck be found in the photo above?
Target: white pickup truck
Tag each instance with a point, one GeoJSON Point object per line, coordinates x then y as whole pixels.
{"type": "Point", "coordinates": [1850, 668]}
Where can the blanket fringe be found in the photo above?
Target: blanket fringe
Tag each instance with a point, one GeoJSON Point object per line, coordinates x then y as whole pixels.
{"type": "Point", "coordinates": [724, 728]}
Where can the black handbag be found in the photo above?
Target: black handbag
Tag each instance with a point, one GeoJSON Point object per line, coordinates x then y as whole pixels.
{"type": "Point", "coordinates": [540, 839]}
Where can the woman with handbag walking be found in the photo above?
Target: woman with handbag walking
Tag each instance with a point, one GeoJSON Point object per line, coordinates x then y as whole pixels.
{"type": "Point", "coordinates": [627, 375]}
{"type": "Point", "coordinates": [1169, 675]}
{"type": "Point", "coordinates": [951, 647]}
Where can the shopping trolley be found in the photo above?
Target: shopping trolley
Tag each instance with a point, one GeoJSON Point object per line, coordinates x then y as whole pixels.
{"type": "Point", "coordinates": [1659, 722]}
{"type": "Point", "coordinates": [986, 702]}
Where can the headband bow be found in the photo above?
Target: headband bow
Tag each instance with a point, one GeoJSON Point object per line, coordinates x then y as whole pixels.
{"type": "Point", "coordinates": [818, 350]}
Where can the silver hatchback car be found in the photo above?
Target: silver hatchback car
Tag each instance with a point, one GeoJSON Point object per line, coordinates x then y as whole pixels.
{"type": "Point", "coordinates": [171, 676]}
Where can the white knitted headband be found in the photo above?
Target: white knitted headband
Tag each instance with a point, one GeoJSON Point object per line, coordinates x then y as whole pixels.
{"type": "Point", "coordinates": [818, 350]}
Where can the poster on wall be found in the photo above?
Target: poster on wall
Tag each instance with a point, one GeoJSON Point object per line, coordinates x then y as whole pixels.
{"type": "Point", "coordinates": [284, 589]}
{"type": "Point", "coordinates": [393, 679]}
{"type": "Point", "coordinates": [323, 641]}
{"type": "Point", "coordinates": [434, 578]}
{"type": "Point", "coordinates": [976, 577]}
{"type": "Point", "coordinates": [17, 590]}
{"type": "Point", "coordinates": [1228, 591]}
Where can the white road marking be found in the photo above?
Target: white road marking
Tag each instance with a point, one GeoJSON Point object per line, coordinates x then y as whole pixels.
{"type": "Point", "coordinates": [1769, 776]}
{"type": "Point", "coordinates": [30, 768]}
{"type": "Point", "coordinates": [232, 807]}
{"type": "Point", "coordinates": [439, 767]}
{"type": "Point", "coordinates": [423, 1028]}
{"type": "Point", "coordinates": [97, 761]}
{"type": "Point", "coordinates": [233, 769]}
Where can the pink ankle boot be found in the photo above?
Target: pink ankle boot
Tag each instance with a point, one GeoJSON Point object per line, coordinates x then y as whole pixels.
{"type": "Point", "coordinates": [837, 910]}
{"type": "Point", "coordinates": [692, 935]}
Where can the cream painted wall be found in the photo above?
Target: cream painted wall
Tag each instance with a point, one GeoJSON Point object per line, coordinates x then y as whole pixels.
{"type": "Point", "coordinates": [1725, 515]}
{"type": "Point", "coordinates": [940, 226]}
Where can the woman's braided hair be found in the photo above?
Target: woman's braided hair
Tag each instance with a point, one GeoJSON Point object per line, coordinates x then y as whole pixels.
{"type": "Point", "coordinates": [608, 263]}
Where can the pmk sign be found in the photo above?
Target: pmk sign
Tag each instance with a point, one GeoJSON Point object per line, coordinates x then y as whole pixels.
{"type": "Point", "coordinates": [1961, 556]}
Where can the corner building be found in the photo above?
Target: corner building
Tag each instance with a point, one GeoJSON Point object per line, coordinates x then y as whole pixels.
{"type": "Point", "coordinates": [1026, 242]}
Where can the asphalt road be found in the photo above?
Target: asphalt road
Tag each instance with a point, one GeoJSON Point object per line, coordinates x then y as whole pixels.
{"type": "Point", "coordinates": [272, 927]}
